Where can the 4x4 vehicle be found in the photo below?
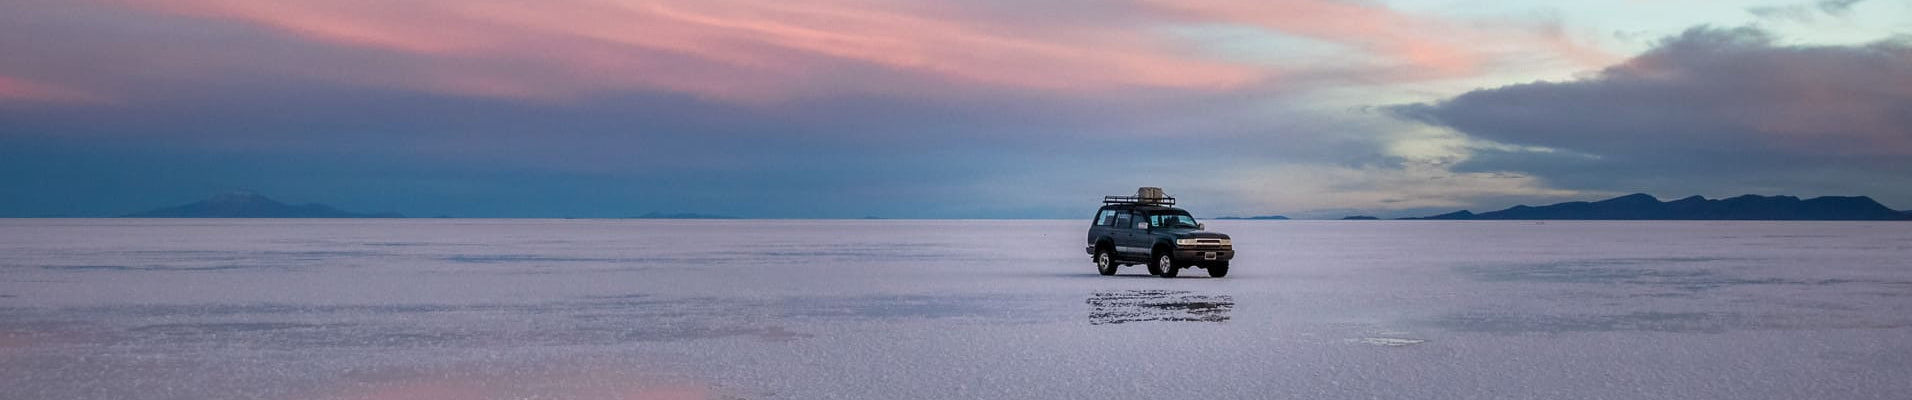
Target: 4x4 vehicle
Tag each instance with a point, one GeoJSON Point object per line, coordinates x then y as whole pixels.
{"type": "Point", "coordinates": [1147, 229]}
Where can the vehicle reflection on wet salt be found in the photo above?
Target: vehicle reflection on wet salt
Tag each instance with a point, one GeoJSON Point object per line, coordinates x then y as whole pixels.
{"type": "Point", "coordinates": [1126, 306]}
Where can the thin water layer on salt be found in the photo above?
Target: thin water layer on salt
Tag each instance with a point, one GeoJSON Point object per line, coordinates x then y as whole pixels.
{"type": "Point", "coordinates": [509, 309]}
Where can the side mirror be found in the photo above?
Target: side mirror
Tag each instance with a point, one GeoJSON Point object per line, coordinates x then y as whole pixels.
{"type": "Point", "coordinates": [1141, 225]}
{"type": "Point", "coordinates": [1201, 226]}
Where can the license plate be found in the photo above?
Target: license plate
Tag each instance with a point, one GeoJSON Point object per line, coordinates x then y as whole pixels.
{"type": "Point", "coordinates": [1208, 256]}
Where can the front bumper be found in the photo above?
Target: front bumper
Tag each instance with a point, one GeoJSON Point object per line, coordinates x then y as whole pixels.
{"type": "Point", "coordinates": [1204, 256]}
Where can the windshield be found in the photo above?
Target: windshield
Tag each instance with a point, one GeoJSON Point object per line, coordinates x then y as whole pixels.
{"type": "Point", "coordinates": [1172, 221]}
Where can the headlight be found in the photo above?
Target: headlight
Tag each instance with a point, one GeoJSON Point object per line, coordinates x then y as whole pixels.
{"type": "Point", "coordinates": [1185, 242]}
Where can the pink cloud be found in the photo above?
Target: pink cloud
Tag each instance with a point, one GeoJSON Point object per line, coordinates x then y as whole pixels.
{"type": "Point", "coordinates": [756, 51]}
{"type": "Point", "coordinates": [1432, 47]}
{"type": "Point", "coordinates": [16, 89]}
{"type": "Point", "coordinates": [723, 49]}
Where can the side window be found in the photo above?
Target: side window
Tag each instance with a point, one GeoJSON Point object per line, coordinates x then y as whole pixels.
{"type": "Point", "coordinates": [1156, 220]}
{"type": "Point", "coordinates": [1107, 218]}
{"type": "Point", "coordinates": [1122, 220]}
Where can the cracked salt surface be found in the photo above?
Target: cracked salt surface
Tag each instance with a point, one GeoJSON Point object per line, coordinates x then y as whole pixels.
{"type": "Point", "coordinates": [519, 309]}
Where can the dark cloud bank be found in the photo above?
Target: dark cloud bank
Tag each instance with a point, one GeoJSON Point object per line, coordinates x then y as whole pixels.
{"type": "Point", "coordinates": [1711, 111]}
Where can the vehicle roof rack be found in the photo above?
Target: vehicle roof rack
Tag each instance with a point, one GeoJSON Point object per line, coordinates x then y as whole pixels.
{"type": "Point", "coordinates": [1151, 196]}
{"type": "Point", "coordinates": [1137, 200]}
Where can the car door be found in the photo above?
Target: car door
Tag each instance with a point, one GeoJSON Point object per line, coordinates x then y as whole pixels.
{"type": "Point", "coordinates": [1126, 236]}
{"type": "Point", "coordinates": [1102, 225]}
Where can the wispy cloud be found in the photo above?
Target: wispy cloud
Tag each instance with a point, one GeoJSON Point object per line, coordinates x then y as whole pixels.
{"type": "Point", "coordinates": [1416, 46]}
{"type": "Point", "coordinates": [752, 51]}
{"type": "Point", "coordinates": [1805, 12]}
{"type": "Point", "coordinates": [737, 50]}
{"type": "Point", "coordinates": [22, 90]}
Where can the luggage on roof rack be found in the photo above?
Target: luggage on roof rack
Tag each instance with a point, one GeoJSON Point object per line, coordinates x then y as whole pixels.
{"type": "Point", "coordinates": [1144, 196]}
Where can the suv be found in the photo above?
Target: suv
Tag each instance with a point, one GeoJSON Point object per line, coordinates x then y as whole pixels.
{"type": "Point", "coordinates": [1147, 229]}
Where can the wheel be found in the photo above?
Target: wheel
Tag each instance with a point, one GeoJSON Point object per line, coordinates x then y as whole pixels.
{"type": "Point", "coordinates": [1153, 268]}
{"type": "Point", "coordinates": [1166, 264]}
{"type": "Point", "coordinates": [1105, 262]}
{"type": "Point", "coordinates": [1218, 270]}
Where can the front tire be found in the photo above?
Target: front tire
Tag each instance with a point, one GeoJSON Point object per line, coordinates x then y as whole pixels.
{"type": "Point", "coordinates": [1166, 264]}
{"type": "Point", "coordinates": [1105, 262]}
{"type": "Point", "coordinates": [1218, 270]}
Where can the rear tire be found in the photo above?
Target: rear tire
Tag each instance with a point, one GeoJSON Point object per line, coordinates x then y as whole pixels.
{"type": "Point", "coordinates": [1166, 263]}
{"type": "Point", "coordinates": [1218, 270]}
{"type": "Point", "coordinates": [1105, 262]}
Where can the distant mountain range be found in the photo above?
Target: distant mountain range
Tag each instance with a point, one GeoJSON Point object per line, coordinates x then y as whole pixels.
{"type": "Point", "coordinates": [1260, 217]}
{"type": "Point", "coordinates": [251, 205]}
{"type": "Point", "coordinates": [1749, 207]}
{"type": "Point", "coordinates": [1629, 207]}
{"type": "Point", "coordinates": [664, 215]}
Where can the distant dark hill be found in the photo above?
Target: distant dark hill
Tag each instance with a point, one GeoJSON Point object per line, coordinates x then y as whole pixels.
{"type": "Point", "coordinates": [1462, 214]}
{"type": "Point", "coordinates": [664, 215]}
{"type": "Point", "coordinates": [1645, 207]}
{"type": "Point", "coordinates": [251, 205]}
{"type": "Point", "coordinates": [1260, 217]}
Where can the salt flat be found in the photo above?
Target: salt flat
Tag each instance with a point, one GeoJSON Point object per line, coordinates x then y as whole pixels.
{"type": "Point", "coordinates": [661, 309]}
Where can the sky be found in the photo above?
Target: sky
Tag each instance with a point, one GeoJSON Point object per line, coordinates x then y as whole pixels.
{"type": "Point", "coordinates": [946, 109]}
